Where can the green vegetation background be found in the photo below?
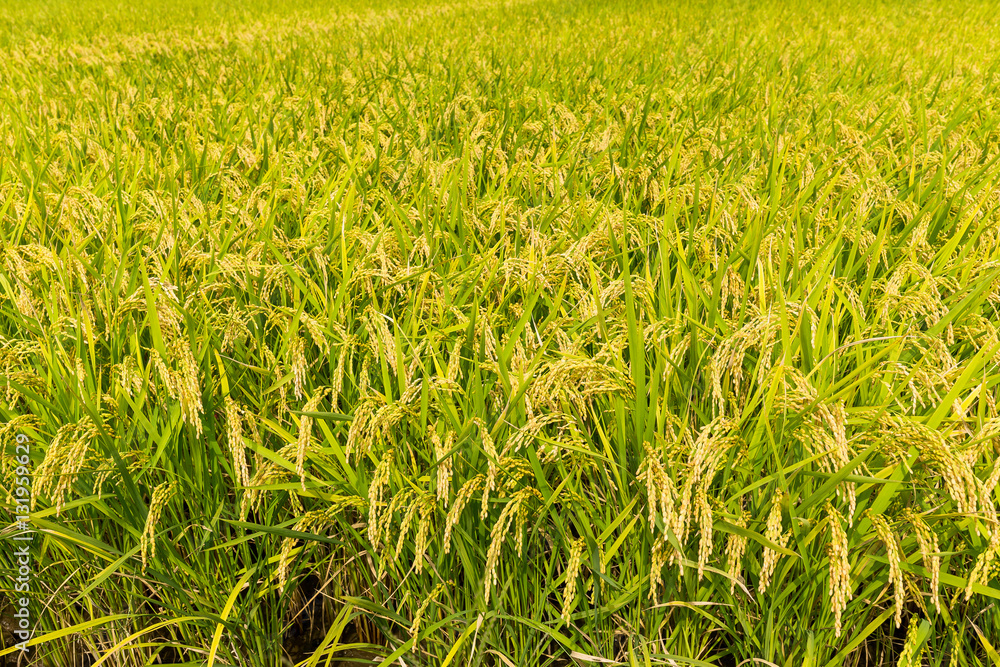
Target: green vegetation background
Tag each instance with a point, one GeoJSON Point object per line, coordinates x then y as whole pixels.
{"type": "Point", "coordinates": [520, 333]}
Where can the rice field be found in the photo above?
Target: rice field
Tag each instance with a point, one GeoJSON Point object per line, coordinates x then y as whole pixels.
{"type": "Point", "coordinates": [510, 333]}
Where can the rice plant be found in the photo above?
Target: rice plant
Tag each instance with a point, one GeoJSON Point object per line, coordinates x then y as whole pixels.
{"type": "Point", "coordinates": [502, 332]}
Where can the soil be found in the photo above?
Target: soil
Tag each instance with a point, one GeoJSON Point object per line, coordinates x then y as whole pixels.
{"type": "Point", "coordinates": [299, 648]}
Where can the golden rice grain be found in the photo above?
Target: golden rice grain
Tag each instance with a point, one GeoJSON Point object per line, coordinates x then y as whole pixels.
{"type": "Point", "coordinates": [297, 362]}
{"type": "Point", "coordinates": [927, 540]}
{"type": "Point", "coordinates": [985, 562]}
{"type": "Point", "coordinates": [572, 574]}
{"type": "Point", "coordinates": [499, 532]}
{"type": "Point", "coordinates": [186, 384]}
{"type": "Point", "coordinates": [424, 526]}
{"type": "Point", "coordinates": [909, 656]}
{"type": "Point", "coordinates": [894, 557]}
{"type": "Point", "coordinates": [305, 434]}
{"type": "Point", "coordinates": [841, 590]}
{"type": "Point", "coordinates": [161, 494]}
{"type": "Point", "coordinates": [376, 493]}
{"type": "Point", "coordinates": [422, 609]}
{"type": "Point", "coordinates": [492, 457]}
{"type": "Point", "coordinates": [736, 546]}
{"type": "Point", "coordinates": [660, 491]}
{"type": "Point", "coordinates": [704, 512]}
{"type": "Point", "coordinates": [660, 552]}
{"type": "Point", "coordinates": [461, 500]}
{"type": "Point", "coordinates": [774, 533]}
{"type": "Point", "coordinates": [234, 438]}
{"type": "Point", "coordinates": [454, 362]}
{"type": "Point", "coordinates": [64, 460]}
{"type": "Point", "coordinates": [404, 527]}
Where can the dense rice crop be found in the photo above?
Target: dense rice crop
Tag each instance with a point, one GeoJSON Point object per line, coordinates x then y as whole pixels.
{"type": "Point", "coordinates": [503, 333]}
